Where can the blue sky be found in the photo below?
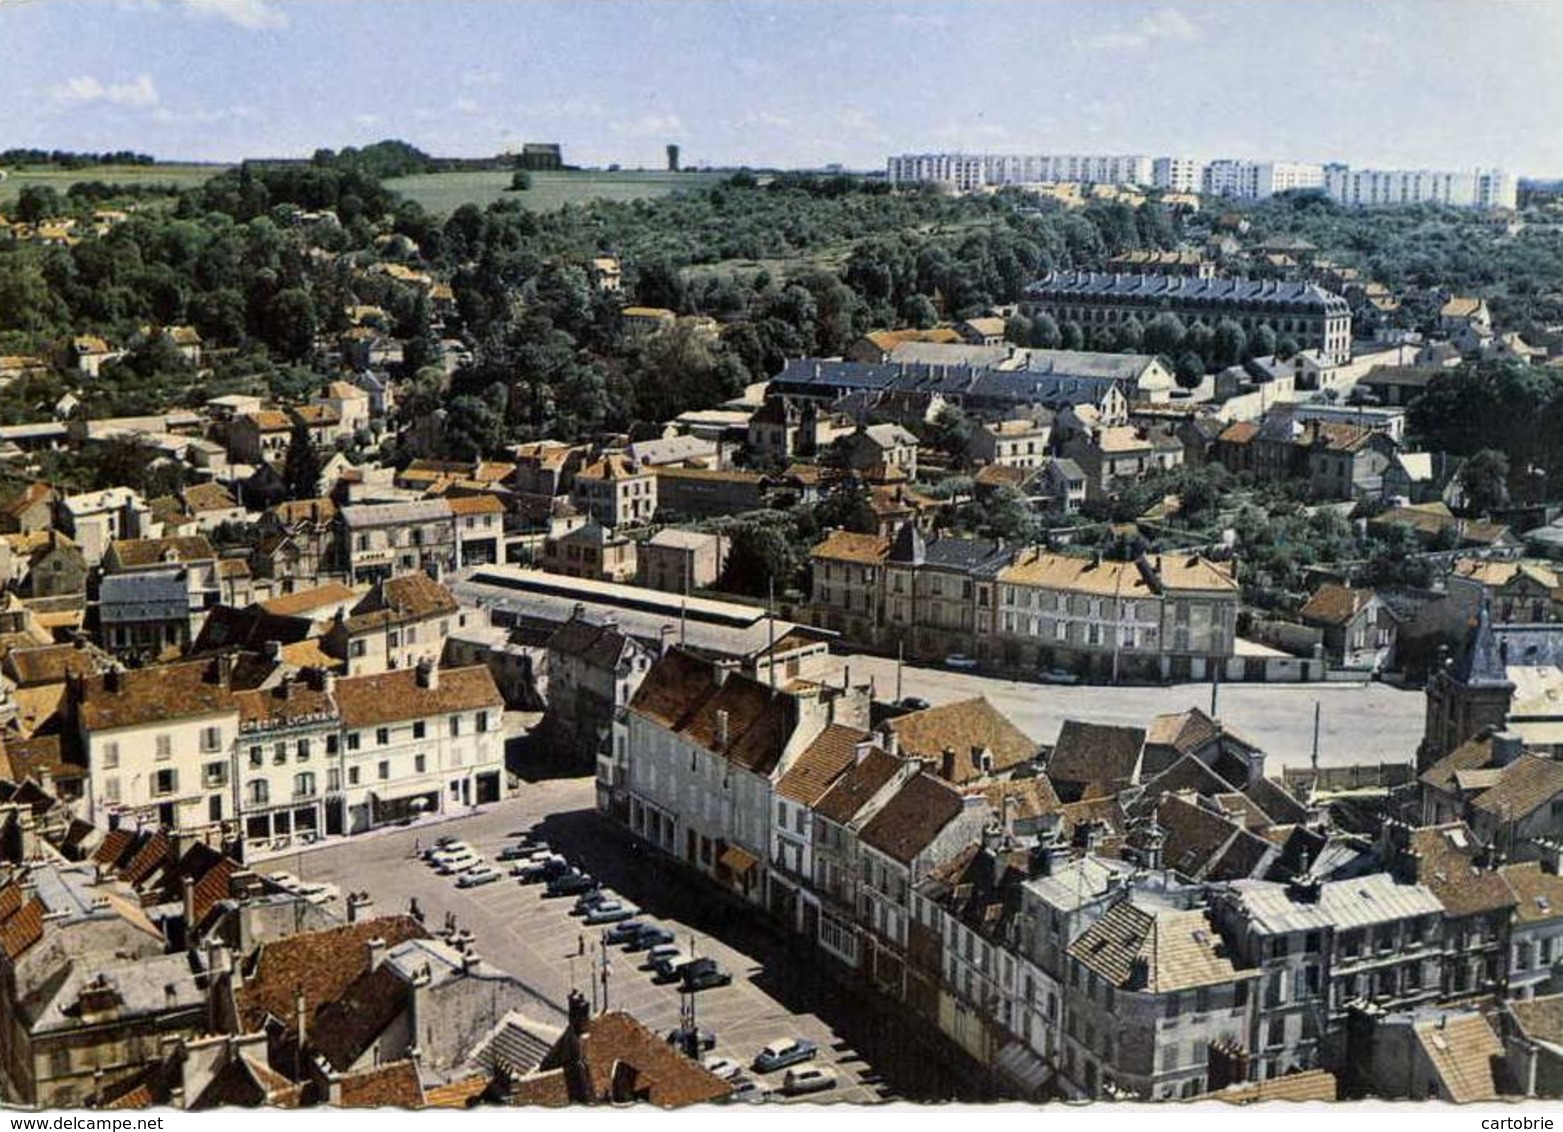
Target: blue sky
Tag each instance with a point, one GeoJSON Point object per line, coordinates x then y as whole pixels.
{"type": "Point", "coordinates": [1443, 83]}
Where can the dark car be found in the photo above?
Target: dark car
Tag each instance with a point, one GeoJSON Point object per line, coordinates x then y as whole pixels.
{"type": "Point", "coordinates": [915, 703]}
{"type": "Point", "coordinates": [649, 936]}
{"type": "Point", "coordinates": [521, 852]}
{"type": "Point", "coordinates": [704, 974]}
{"type": "Point", "coordinates": [549, 869]}
{"type": "Point", "coordinates": [589, 900]}
{"type": "Point", "coordinates": [704, 1040]}
{"type": "Point", "coordinates": [624, 931]}
{"type": "Point", "coordinates": [569, 884]}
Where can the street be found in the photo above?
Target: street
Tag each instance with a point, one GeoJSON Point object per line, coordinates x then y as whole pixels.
{"type": "Point", "coordinates": [777, 989]}
{"type": "Point", "coordinates": [1359, 723]}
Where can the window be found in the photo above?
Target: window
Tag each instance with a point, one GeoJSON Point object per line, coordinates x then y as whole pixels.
{"type": "Point", "coordinates": [482, 721]}
{"type": "Point", "coordinates": [304, 784]}
{"type": "Point", "coordinates": [165, 747]}
{"type": "Point", "coordinates": [303, 750]}
{"type": "Point", "coordinates": [211, 738]}
{"type": "Point", "coordinates": [352, 776]}
{"type": "Point", "coordinates": [257, 792]}
{"type": "Point", "coordinates": [333, 779]}
{"type": "Point", "coordinates": [256, 756]}
{"type": "Point", "coordinates": [418, 763]}
{"type": "Point", "coordinates": [384, 769]}
{"type": "Point", "coordinates": [331, 744]}
{"type": "Point", "coordinates": [418, 729]}
{"type": "Point", "coordinates": [382, 736]}
{"type": "Point", "coordinates": [214, 774]}
{"type": "Point", "coordinates": [356, 649]}
{"type": "Point", "coordinates": [455, 726]}
{"type": "Point", "coordinates": [110, 756]}
{"type": "Point", "coordinates": [165, 782]}
{"type": "Point", "coordinates": [352, 741]}
{"type": "Point", "coordinates": [111, 790]}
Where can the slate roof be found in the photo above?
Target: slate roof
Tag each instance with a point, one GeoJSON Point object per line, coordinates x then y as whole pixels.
{"type": "Point", "coordinates": [598, 645]}
{"type": "Point", "coordinates": [1527, 783]}
{"type": "Point", "coordinates": [1538, 895]}
{"type": "Point", "coordinates": [344, 1028]}
{"type": "Point", "coordinates": [153, 595]}
{"type": "Point", "coordinates": [1178, 289]}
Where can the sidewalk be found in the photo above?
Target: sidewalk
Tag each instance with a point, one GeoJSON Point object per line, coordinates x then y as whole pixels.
{"type": "Point", "coordinates": [428, 821]}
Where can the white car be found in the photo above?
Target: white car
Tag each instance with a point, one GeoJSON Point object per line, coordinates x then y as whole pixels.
{"type": "Point", "coordinates": [454, 849]}
{"type": "Point", "coordinates": [961, 661]}
{"type": "Point", "coordinates": [724, 1067]}
{"type": "Point", "coordinates": [451, 866]}
{"type": "Point", "coordinates": [808, 1079]}
{"type": "Point", "coordinates": [478, 874]}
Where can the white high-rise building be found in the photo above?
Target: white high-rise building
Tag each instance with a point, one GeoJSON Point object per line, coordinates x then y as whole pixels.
{"type": "Point", "coordinates": [1178, 174]}
{"type": "Point", "coordinates": [1482, 188]}
{"type": "Point", "coordinates": [971, 171]}
{"type": "Point", "coordinates": [1256, 180]}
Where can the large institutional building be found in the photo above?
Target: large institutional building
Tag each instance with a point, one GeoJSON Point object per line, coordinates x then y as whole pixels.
{"type": "Point", "coordinates": [1315, 318]}
{"type": "Point", "coordinates": [1480, 188]}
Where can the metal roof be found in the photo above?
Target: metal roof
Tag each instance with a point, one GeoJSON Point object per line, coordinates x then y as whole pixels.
{"type": "Point", "coordinates": [1342, 904]}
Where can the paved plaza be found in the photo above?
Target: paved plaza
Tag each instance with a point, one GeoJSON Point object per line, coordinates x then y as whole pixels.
{"type": "Point", "coordinates": [1359, 722]}
{"type": "Point", "coordinates": [778, 989]}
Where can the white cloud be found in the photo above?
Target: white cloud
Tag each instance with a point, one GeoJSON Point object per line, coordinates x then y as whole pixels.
{"type": "Point", "coordinates": [85, 89]}
{"type": "Point", "coordinates": [1165, 25]}
{"type": "Point", "coordinates": [200, 117]}
{"type": "Point", "coordinates": [465, 106]}
{"type": "Point", "coordinates": [252, 15]}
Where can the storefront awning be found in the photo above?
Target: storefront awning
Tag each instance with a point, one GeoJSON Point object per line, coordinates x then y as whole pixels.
{"type": "Point", "coordinates": [737, 860]}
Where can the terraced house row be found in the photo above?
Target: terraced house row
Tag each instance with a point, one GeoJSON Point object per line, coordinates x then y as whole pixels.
{"type": "Point", "coordinates": [1028, 609]}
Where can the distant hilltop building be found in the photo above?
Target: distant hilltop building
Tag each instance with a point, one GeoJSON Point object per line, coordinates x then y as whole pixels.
{"type": "Point", "coordinates": [1479, 188]}
{"type": "Point", "coordinates": [1256, 180]}
{"type": "Point", "coordinates": [540, 157]}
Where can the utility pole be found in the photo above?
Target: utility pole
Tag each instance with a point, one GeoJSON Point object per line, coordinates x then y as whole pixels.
{"type": "Point", "coordinates": [900, 660]}
{"type": "Point", "coordinates": [1315, 757]}
{"type": "Point", "coordinates": [1215, 688]}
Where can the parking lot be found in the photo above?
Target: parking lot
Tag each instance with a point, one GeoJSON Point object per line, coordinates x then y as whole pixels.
{"type": "Point", "coordinates": [777, 989]}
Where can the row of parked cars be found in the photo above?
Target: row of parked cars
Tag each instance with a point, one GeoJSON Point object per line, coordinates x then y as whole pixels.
{"type": "Point", "coordinates": [532, 860]}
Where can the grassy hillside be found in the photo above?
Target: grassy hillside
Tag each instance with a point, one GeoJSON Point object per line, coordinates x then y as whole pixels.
{"type": "Point", "coordinates": [445, 192]}
{"type": "Point", "coordinates": [172, 176]}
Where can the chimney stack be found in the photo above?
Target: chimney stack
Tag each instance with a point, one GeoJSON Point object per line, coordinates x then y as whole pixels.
{"type": "Point", "coordinates": [360, 906]}
{"type": "Point", "coordinates": [947, 764]}
{"type": "Point", "coordinates": [377, 949]}
{"type": "Point", "coordinates": [428, 675]}
{"type": "Point", "coordinates": [890, 741]}
{"type": "Point", "coordinates": [580, 1013]}
{"type": "Point", "coordinates": [721, 731]}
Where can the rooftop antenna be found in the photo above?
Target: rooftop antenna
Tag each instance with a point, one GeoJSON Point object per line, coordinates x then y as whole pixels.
{"type": "Point", "coordinates": [1314, 758]}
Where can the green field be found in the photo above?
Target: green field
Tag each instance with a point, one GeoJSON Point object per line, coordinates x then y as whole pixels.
{"type": "Point", "coordinates": [443, 193]}
{"type": "Point", "coordinates": [171, 176]}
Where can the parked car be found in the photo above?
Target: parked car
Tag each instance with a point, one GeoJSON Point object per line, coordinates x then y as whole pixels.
{"type": "Point", "coordinates": [961, 661]}
{"type": "Point", "coordinates": [704, 1039]}
{"type": "Point", "coordinates": [623, 931]}
{"type": "Point", "coordinates": [479, 874]}
{"type": "Point", "coordinates": [660, 952]}
{"type": "Point", "coordinates": [783, 1052]}
{"type": "Point", "coordinates": [570, 884]}
{"type": "Point", "coordinates": [446, 841]}
{"type": "Point", "coordinates": [611, 912]}
{"type": "Point", "coordinates": [1059, 676]}
{"type": "Point", "coordinates": [703, 974]}
{"type": "Point", "coordinates": [521, 852]}
{"type": "Point", "coordinates": [540, 868]}
{"type": "Point", "coordinates": [915, 703]}
{"type": "Point", "coordinates": [589, 900]}
{"type": "Point", "coordinates": [748, 1090]}
{"type": "Point", "coordinates": [650, 936]}
{"type": "Point", "coordinates": [724, 1067]}
{"type": "Point", "coordinates": [669, 968]}
{"type": "Point", "coordinates": [455, 849]}
{"type": "Point", "coordinates": [808, 1079]}
{"type": "Point", "coordinates": [451, 866]}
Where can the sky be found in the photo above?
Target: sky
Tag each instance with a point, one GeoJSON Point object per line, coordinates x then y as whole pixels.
{"type": "Point", "coordinates": [1449, 84]}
